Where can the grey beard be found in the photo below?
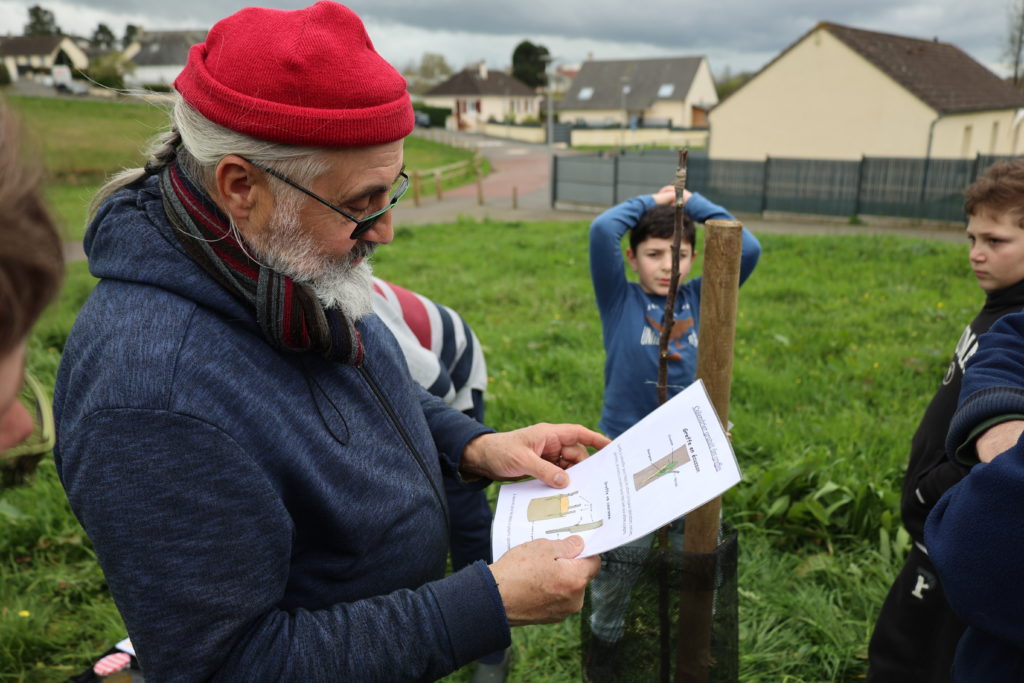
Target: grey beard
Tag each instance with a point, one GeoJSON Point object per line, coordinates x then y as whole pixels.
{"type": "Point", "coordinates": [347, 287]}
{"type": "Point", "coordinates": [338, 283]}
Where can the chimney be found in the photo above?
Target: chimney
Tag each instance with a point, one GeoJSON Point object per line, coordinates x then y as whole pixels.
{"type": "Point", "coordinates": [482, 67]}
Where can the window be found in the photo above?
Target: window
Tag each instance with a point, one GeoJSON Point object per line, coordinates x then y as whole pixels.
{"type": "Point", "coordinates": [585, 93]}
{"type": "Point", "coordinates": [666, 89]}
{"type": "Point", "coordinates": [965, 144]}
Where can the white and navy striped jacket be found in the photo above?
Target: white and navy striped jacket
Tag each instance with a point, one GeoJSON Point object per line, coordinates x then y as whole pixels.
{"type": "Point", "coordinates": [443, 354]}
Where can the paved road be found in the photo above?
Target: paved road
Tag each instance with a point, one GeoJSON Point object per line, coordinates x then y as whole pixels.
{"type": "Point", "coordinates": [518, 168]}
{"type": "Point", "coordinates": [524, 169]}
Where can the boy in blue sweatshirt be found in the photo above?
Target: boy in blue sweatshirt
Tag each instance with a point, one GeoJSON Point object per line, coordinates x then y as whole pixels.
{"type": "Point", "coordinates": [631, 326]}
{"type": "Point", "coordinates": [975, 533]}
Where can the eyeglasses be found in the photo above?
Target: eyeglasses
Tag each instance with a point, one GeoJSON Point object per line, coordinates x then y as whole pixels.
{"type": "Point", "coordinates": [363, 225]}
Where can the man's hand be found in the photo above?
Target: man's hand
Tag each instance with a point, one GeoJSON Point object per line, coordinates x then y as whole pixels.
{"type": "Point", "coordinates": [541, 583]}
{"type": "Point", "coordinates": [998, 439]}
{"type": "Point", "coordinates": [541, 450]}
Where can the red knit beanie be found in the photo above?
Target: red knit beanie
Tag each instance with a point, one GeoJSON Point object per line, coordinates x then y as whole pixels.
{"type": "Point", "coordinates": [300, 77]}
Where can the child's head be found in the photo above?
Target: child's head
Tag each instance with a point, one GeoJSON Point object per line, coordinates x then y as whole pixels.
{"type": "Point", "coordinates": [994, 205]}
{"type": "Point", "coordinates": [661, 222]}
{"type": "Point", "coordinates": [650, 248]}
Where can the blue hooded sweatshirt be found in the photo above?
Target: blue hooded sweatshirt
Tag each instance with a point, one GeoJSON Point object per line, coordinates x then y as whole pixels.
{"type": "Point", "coordinates": [259, 516]}
{"type": "Point", "coordinates": [975, 533]}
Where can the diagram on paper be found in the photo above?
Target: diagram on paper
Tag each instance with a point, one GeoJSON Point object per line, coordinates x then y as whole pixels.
{"type": "Point", "coordinates": [660, 467]}
{"type": "Point", "coordinates": [566, 506]}
{"type": "Point", "coordinates": [672, 461]}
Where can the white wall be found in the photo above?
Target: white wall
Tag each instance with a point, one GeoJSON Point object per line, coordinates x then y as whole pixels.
{"type": "Point", "coordinates": [702, 91]}
{"type": "Point", "coordinates": [967, 135]}
{"type": "Point", "coordinates": [497, 107]}
{"type": "Point", "coordinates": [153, 74]}
{"type": "Point", "coordinates": [535, 134]}
{"type": "Point", "coordinates": [643, 137]}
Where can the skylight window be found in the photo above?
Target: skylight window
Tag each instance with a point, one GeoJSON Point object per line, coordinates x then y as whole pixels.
{"type": "Point", "coordinates": [585, 93]}
{"type": "Point", "coordinates": [666, 89]}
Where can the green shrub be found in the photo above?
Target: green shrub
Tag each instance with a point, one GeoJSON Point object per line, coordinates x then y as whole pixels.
{"type": "Point", "coordinates": [438, 115]}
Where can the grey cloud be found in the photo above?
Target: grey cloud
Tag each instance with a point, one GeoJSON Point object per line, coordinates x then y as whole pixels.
{"type": "Point", "coordinates": [755, 26]}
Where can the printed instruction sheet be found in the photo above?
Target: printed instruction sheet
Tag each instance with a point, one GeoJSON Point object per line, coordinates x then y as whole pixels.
{"type": "Point", "coordinates": [671, 462]}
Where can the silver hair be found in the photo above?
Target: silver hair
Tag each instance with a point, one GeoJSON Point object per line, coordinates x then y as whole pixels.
{"type": "Point", "coordinates": [204, 144]}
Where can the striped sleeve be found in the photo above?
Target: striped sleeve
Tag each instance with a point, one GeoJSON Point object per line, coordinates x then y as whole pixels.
{"type": "Point", "coordinates": [456, 365]}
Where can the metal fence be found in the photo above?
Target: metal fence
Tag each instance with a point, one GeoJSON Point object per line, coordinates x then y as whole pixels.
{"type": "Point", "coordinates": [881, 186]}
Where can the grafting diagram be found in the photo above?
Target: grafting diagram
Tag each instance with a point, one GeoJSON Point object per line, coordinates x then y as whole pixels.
{"type": "Point", "coordinates": [660, 467]}
{"type": "Point", "coordinates": [563, 505]}
{"type": "Point", "coordinates": [550, 507]}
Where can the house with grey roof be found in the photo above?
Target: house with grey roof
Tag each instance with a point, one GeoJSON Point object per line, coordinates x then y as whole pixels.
{"type": "Point", "coordinates": [33, 57]}
{"type": "Point", "coordinates": [667, 92]}
{"type": "Point", "coordinates": [477, 95]}
{"type": "Point", "coordinates": [842, 93]}
{"type": "Point", "coordinates": [159, 56]}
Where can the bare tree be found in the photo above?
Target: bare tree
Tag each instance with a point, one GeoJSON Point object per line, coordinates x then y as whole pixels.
{"type": "Point", "coordinates": [431, 70]}
{"type": "Point", "coordinates": [434, 66]}
{"type": "Point", "coordinates": [1015, 41]}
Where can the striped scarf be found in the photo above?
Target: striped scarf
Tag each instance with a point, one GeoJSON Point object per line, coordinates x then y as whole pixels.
{"type": "Point", "coordinates": [289, 314]}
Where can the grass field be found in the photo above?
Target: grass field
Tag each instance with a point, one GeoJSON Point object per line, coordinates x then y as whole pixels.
{"type": "Point", "coordinates": [841, 342]}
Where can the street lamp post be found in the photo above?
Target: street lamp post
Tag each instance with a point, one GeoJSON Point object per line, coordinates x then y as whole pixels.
{"type": "Point", "coordinates": [550, 122]}
{"type": "Point", "coordinates": [625, 111]}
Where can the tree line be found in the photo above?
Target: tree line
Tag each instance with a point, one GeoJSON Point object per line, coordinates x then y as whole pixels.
{"type": "Point", "coordinates": [42, 22]}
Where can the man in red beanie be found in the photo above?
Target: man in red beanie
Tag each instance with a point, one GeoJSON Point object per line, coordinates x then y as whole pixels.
{"type": "Point", "coordinates": [237, 432]}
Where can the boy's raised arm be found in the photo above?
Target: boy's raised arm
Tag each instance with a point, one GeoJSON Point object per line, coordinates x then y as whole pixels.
{"type": "Point", "coordinates": [607, 270]}
{"type": "Point", "coordinates": [701, 209]}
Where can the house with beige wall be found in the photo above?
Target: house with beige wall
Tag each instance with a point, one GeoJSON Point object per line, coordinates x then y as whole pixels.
{"type": "Point", "coordinates": [843, 93]}
{"type": "Point", "coordinates": [477, 95]}
{"type": "Point", "coordinates": [35, 56]}
{"type": "Point", "coordinates": [671, 91]}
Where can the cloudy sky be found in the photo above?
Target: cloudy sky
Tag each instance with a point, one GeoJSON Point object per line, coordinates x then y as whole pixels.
{"type": "Point", "coordinates": [735, 34]}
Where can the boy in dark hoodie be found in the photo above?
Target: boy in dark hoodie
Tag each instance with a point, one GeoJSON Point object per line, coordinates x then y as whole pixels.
{"type": "Point", "coordinates": [917, 632]}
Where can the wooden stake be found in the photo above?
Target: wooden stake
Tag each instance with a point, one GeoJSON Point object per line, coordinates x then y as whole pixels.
{"type": "Point", "coordinates": [437, 185]}
{"type": "Point", "coordinates": [723, 245]}
{"type": "Point", "coordinates": [416, 188]}
{"type": "Point", "coordinates": [479, 185]}
{"type": "Point", "coordinates": [515, 197]}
